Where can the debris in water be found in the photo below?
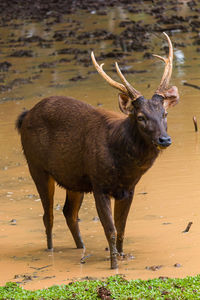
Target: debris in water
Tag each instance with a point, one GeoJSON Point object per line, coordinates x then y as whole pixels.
{"type": "Point", "coordinates": [153, 268]}
{"type": "Point", "coordinates": [13, 222]}
{"type": "Point", "coordinates": [78, 77]}
{"type": "Point", "coordinates": [188, 227]}
{"type": "Point", "coordinates": [124, 257]}
{"type": "Point", "coordinates": [82, 261]}
{"type": "Point", "coordinates": [48, 277]}
{"type": "Point", "coordinates": [195, 123]}
{"type": "Point", "coordinates": [177, 265]}
{"type": "Point", "coordinates": [41, 268]}
{"type": "Point", "coordinates": [24, 277]}
{"type": "Point", "coordinates": [191, 85]}
{"type": "Point", "coordinates": [31, 196]}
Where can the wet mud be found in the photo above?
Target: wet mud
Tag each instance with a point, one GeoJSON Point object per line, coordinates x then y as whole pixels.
{"type": "Point", "coordinates": [45, 50]}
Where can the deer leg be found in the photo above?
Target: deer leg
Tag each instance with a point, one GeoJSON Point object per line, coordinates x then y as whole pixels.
{"type": "Point", "coordinates": [46, 186]}
{"type": "Point", "coordinates": [121, 211]}
{"type": "Point", "coordinates": [103, 206]}
{"type": "Point", "coordinates": [70, 210]}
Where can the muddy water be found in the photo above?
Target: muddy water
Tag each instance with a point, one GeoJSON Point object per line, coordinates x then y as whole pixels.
{"type": "Point", "coordinates": [167, 198]}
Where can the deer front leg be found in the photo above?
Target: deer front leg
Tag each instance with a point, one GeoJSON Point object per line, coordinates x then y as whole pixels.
{"type": "Point", "coordinates": [121, 211]}
{"type": "Point", "coordinates": [105, 214]}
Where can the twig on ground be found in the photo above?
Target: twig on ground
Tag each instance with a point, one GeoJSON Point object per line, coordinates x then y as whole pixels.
{"type": "Point", "coordinates": [192, 85]}
{"type": "Point", "coordinates": [188, 227]}
{"type": "Point", "coordinates": [195, 123]}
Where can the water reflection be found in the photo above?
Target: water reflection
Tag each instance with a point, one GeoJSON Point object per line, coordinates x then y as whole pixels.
{"type": "Point", "coordinates": [180, 58]}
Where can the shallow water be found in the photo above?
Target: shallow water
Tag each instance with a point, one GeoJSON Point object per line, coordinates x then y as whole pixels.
{"type": "Point", "coordinates": [166, 198]}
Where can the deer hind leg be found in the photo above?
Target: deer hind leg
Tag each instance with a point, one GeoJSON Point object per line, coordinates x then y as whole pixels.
{"type": "Point", "coordinates": [70, 210]}
{"type": "Point", "coordinates": [121, 211]}
{"type": "Point", "coordinates": [46, 186]}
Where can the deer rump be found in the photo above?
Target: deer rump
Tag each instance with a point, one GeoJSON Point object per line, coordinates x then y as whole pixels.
{"type": "Point", "coordinates": [87, 149]}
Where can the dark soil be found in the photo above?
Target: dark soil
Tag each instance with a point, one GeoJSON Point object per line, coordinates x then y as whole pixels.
{"type": "Point", "coordinates": [133, 35]}
{"type": "Point", "coordinates": [23, 53]}
{"type": "Point", "coordinates": [40, 9]}
{"type": "Point", "coordinates": [4, 66]}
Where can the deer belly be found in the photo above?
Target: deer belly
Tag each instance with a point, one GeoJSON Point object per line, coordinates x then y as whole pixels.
{"type": "Point", "coordinates": [78, 183]}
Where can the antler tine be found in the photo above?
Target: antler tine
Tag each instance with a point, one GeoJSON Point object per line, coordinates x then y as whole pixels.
{"type": "Point", "coordinates": [112, 82]}
{"type": "Point", "coordinates": [168, 68]}
{"type": "Point", "coordinates": [132, 92]}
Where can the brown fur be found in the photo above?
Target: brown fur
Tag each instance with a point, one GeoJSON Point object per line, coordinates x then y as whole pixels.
{"type": "Point", "coordinates": [85, 149]}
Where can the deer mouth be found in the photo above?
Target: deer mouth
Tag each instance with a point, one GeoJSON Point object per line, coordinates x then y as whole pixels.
{"type": "Point", "coordinates": [159, 147]}
{"type": "Point", "coordinates": [162, 143]}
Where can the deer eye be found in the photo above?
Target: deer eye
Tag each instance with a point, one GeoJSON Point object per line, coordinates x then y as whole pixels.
{"type": "Point", "coordinates": [141, 118]}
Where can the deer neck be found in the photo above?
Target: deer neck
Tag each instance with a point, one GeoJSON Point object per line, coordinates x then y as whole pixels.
{"type": "Point", "coordinates": [130, 146]}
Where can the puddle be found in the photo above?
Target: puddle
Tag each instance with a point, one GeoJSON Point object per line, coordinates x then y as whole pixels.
{"type": "Point", "coordinates": [166, 198]}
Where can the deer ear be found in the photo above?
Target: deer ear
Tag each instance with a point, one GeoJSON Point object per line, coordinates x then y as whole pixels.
{"type": "Point", "coordinates": [171, 97]}
{"type": "Point", "coordinates": [124, 103]}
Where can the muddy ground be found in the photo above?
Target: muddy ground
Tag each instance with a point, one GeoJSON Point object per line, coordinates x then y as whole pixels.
{"type": "Point", "coordinates": [45, 50]}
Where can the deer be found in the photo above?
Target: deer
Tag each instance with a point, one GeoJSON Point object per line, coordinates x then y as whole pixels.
{"type": "Point", "coordinates": [86, 149]}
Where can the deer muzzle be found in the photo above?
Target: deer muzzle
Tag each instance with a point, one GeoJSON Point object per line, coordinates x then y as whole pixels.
{"type": "Point", "coordinates": [164, 142]}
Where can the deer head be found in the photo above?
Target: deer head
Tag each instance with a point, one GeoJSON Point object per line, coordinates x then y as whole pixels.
{"type": "Point", "coordinates": [150, 116]}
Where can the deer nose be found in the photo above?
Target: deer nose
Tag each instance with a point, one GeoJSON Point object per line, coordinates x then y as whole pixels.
{"type": "Point", "coordinates": [164, 141]}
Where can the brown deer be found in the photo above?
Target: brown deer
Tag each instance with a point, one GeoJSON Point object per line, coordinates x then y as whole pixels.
{"type": "Point", "coordinates": [86, 149]}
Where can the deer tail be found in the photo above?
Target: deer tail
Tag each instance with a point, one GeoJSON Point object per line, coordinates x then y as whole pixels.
{"type": "Point", "coordinates": [20, 119]}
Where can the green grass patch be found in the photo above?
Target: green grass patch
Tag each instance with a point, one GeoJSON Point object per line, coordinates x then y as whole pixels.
{"type": "Point", "coordinates": [115, 287]}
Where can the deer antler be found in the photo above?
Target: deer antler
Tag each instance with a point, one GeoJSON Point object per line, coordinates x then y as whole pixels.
{"type": "Point", "coordinates": [168, 69]}
{"type": "Point", "coordinates": [132, 92]}
{"type": "Point", "coordinates": [112, 82]}
{"type": "Point", "coordinates": [126, 88]}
